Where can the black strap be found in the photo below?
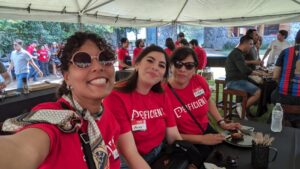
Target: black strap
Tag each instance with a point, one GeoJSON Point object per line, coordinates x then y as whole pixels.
{"type": "Point", "coordinates": [190, 113]}
{"type": "Point", "coordinates": [85, 143]}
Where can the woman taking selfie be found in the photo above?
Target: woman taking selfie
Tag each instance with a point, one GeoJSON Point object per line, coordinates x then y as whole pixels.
{"type": "Point", "coordinates": [143, 110]}
{"type": "Point", "coordinates": [75, 131]}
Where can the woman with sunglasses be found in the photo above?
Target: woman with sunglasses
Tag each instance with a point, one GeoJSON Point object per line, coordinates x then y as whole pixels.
{"type": "Point", "coordinates": [143, 110]}
{"type": "Point", "coordinates": [194, 93]}
{"type": "Point", "coordinates": [75, 131]}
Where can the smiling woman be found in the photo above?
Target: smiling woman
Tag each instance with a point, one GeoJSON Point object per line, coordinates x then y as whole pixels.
{"type": "Point", "coordinates": [142, 110]}
{"type": "Point", "coordinates": [50, 130]}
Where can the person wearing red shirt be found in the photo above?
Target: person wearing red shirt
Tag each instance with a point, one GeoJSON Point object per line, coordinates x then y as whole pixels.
{"type": "Point", "coordinates": [200, 53]}
{"type": "Point", "coordinates": [43, 59]}
{"type": "Point", "coordinates": [142, 110]}
{"type": "Point", "coordinates": [180, 36]}
{"type": "Point", "coordinates": [139, 45]}
{"type": "Point", "coordinates": [32, 50]}
{"type": "Point", "coordinates": [194, 92]}
{"type": "Point", "coordinates": [56, 135]}
{"type": "Point", "coordinates": [170, 46]}
{"type": "Point", "coordinates": [123, 55]}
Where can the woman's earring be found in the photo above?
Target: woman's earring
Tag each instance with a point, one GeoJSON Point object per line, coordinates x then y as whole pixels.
{"type": "Point", "coordinates": [69, 87]}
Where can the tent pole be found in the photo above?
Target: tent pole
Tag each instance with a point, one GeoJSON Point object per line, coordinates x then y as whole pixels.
{"type": "Point", "coordinates": [80, 23]}
{"type": "Point", "coordinates": [156, 37]}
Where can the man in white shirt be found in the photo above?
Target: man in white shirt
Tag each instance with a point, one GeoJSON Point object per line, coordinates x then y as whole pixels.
{"type": "Point", "coordinates": [276, 47]}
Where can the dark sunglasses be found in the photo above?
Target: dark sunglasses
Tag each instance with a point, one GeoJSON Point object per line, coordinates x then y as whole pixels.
{"type": "Point", "coordinates": [187, 65]}
{"type": "Point", "coordinates": [84, 60]}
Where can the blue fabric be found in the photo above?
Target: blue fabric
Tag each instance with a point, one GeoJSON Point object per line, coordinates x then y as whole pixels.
{"type": "Point", "coordinates": [242, 85]}
{"type": "Point", "coordinates": [19, 79]}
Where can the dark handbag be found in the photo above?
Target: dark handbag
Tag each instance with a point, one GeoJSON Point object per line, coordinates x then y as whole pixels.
{"type": "Point", "coordinates": [177, 156]}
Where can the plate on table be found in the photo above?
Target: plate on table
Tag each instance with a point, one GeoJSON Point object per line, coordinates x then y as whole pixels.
{"type": "Point", "coordinates": [245, 142]}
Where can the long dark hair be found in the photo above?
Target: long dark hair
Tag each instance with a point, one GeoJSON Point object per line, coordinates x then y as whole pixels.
{"type": "Point", "coordinates": [130, 84]}
{"type": "Point", "coordinates": [170, 44]}
{"type": "Point", "coordinates": [74, 42]}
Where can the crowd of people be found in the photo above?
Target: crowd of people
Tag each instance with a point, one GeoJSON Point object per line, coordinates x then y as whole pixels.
{"type": "Point", "coordinates": [99, 123]}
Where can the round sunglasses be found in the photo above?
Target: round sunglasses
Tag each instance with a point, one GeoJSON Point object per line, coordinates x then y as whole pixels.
{"type": "Point", "coordinates": [84, 60]}
{"type": "Point", "coordinates": [187, 65]}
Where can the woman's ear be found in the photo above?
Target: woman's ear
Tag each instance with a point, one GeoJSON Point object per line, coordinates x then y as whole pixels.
{"type": "Point", "coordinates": [66, 77]}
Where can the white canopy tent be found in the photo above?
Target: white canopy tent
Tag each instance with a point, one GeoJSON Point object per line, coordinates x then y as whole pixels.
{"type": "Point", "coordinates": [154, 12]}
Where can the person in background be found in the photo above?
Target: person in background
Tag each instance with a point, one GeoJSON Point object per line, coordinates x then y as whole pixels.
{"type": "Point", "coordinates": [180, 36]}
{"type": "Point", "coordinates": [54, 61]}
{"type": "Point", "coordinates": [170, 46]}
{"type": "Point", "coordinates": [194, 92]}
{"type": "Point", "coordinates": [33, 51]}
{"type": "Point", "coordinates": [5, 78]}
{"type": "Point", "coordinates": [201, 54]}
{"type": "Point", "coordinates": [142, 109]}
{"type": "Point", "coordinates": [252, 58]}
{"type": "Point", "coordinates": [237, 71]}
{"type": "Point", "coordinates": [20, 60]}
{"type": "Point", "coordinates": [43, 59]}
{"type": "Point", "coordinates": [275, 47]}
{"type": "Point", "coordinates": [139, 46]}
{"type": "Point", "coordinates": [184, 43]}
{"type": "Point", "coordinates": [287, 74]}
{"type": "Point", "coordinates": [258, 45]}
{"type": "Point", "coordinates": [60, 132]}
{"type": "Point", "coordinates": [123, 55]}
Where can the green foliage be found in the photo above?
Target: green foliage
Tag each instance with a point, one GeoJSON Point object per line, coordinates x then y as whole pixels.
{"type": "Point", "coordinates": [43, 32]}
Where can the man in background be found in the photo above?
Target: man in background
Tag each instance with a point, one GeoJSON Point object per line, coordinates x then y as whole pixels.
{"type": "Point", "coordinates": [20, 60]}
{"type": "Point", "coordinates": [276, 47]}
{"type": "Point", "coordinates": [33, 51]}
{"type": "Point", "coordinates": [180, 36]}
{"type": "Point", "coordinates": [200, 53]}
{"type": "Point", "coordinates": [139, 46]}
{"type": "Point", "coordinates": [252, 58]}
{"type": "Point", "coordinates": [237, 71]}
{"type": "Point", "coordinates": [123, 55]}
{"type": "Point", "coordinates": [287, 74]}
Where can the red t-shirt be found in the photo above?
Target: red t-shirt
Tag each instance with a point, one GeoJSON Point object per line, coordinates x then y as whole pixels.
{"type": "Point", "coordinates": [31, 49]}
{"type": "Point", "coordinates": [43, 55]}
{"type": "Point", "coordinates": [122, 54]}
{"type": "Point", "coordinates": [201, 57]}
{"type": "Point", "coordinates": [65, 148]}
{"type": "Point", "coordinates": [152, 109]}
{"type": "Point", "coordinates": [177, 44]}
{"type": "Point", "coordinates": [168, 51]}
{"type": "Point", "coordinates": [195, 96]}
{"type": "Point", "coordinates": [136, 53]}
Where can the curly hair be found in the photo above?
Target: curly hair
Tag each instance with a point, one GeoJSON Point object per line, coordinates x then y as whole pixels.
{"type": "Point", "coordinates": [73, 44]}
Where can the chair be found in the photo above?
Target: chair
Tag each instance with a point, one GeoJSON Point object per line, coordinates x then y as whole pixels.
{"type": "Point", "coordinates": [229, 94]}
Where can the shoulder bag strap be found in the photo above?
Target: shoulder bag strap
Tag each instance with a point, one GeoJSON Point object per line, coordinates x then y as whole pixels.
{"type": "Point", "coordinates": [189, 112]}
{"type": "Point", "coordinates": [85, 143]}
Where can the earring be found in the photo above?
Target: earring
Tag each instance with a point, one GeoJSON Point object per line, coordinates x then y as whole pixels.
{"type": "Point", "coordinates": [69, 87]}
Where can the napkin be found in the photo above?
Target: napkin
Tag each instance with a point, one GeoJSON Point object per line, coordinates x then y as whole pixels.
{"type": "Point", "coordinates": [212, 166]}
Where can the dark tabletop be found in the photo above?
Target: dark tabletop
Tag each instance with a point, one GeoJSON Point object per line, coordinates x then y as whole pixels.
{"type": "Point", "coordinates": [287, 143]}
{"type": "Point", "coordinates": [16, 105]}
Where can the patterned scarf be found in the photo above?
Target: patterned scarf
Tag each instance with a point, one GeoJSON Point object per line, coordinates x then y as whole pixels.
{"type": "Point", "coordinates": [67, 121]}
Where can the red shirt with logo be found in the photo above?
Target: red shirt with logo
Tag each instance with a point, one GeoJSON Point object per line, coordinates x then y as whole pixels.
{"type": "Point", "coordinates": [146, 116]}
{"type": "Point", "coordinates": [136, 53]}
{"type": "Point", "coordinates": [122, 54]}
{"type": "Point", "coordinates": [65, 148]}
{"type": "Point", "coordinates": [201, 57]}
{"type": "Point", "coordinates": [43, 55]}
{"type": "Point", "coordinates": [195, 96]}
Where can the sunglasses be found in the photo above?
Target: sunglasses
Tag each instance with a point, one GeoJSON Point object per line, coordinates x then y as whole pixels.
{"type": "Point", "coordinates": [84, 60]}
{"type": "Point", "coordinates": [187, 65]}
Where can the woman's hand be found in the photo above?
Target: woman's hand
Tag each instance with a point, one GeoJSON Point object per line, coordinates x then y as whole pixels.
{"type": "Point", "coordinates": [230, 126]}
{"type": "Point", "coordinates": [212, 139]}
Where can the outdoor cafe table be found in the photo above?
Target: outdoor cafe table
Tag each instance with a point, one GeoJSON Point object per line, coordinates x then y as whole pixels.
{"type": "Point", "coordinates": [16, 105]}
{"type": "Point", "coordinates": [287, 143]}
